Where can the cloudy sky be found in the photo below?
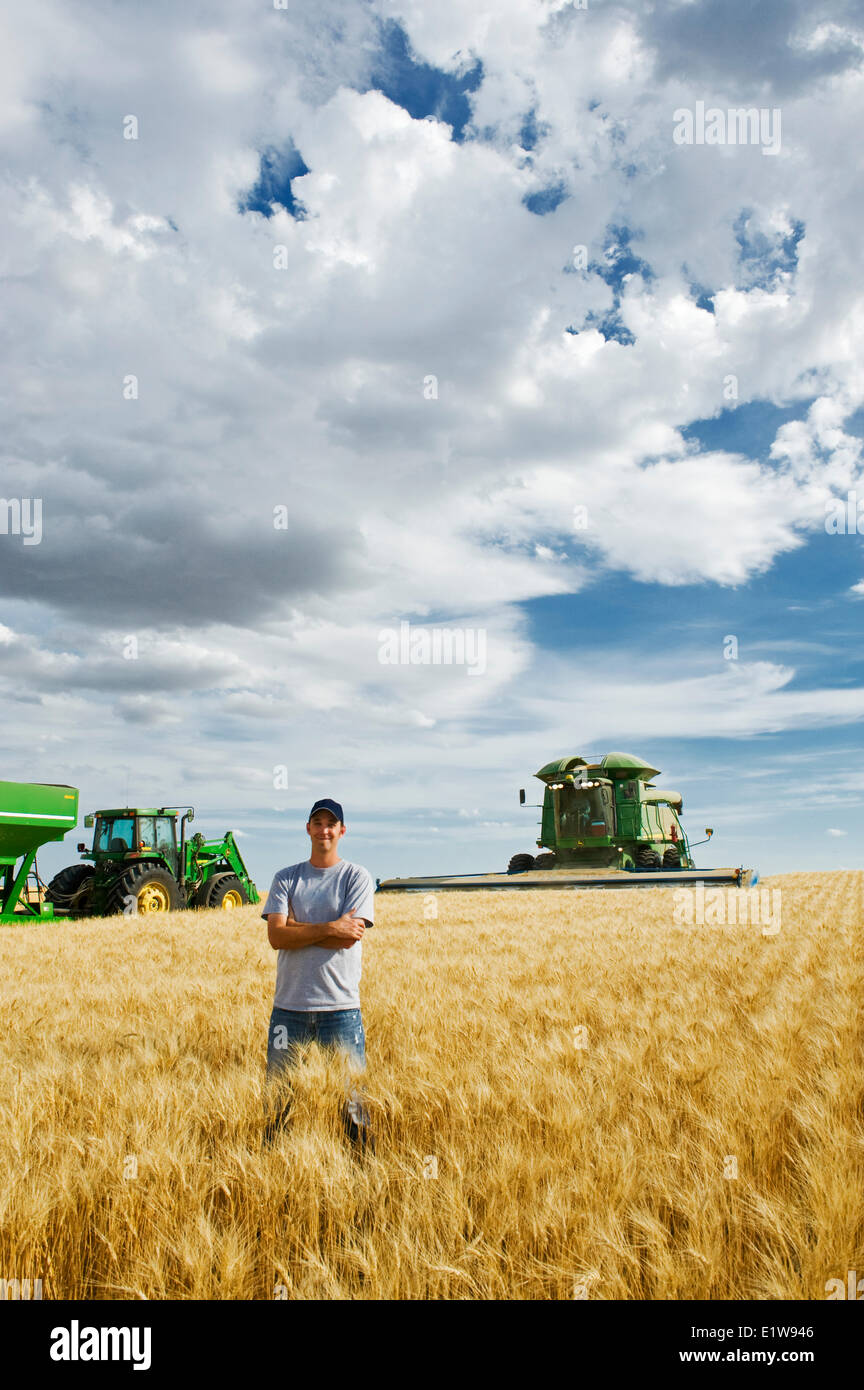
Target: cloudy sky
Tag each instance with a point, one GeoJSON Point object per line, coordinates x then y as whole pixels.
{"type": "Point", "coordinates": [320, 320]}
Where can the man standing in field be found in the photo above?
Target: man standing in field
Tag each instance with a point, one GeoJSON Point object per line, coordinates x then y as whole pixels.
{"type": "Point", "coordinates": [317, 912]}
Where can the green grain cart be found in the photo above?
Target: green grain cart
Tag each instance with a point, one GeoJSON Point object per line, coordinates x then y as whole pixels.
{"type": "Point", "coordinates": [140, 864]}
{"type": "Point", "coordinates": [31, 815]}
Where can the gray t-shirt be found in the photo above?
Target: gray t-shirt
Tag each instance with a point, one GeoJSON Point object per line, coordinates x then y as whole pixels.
{"type": "Point", "coordinates": [318, 977]}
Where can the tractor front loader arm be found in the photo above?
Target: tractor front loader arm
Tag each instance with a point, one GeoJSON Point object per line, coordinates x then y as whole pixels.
{"type": "Point", "coordinates": [235, 859]}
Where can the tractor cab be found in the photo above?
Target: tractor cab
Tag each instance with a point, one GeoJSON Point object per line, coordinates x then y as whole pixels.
{"type": "Point", "coordinates": [135, 835]}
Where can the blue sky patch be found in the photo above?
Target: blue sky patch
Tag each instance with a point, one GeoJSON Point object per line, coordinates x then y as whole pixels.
{"type": "Point", "coordinates": [619, 261]}
{"type": "Point", "coordinates": [277, 169]}
{"type": "Point", "coordinates": [787, 615]}
{"type": "Point", "coordinates": [764, 259]}
{"type": "Point", "coordinates": [532, 131]}
{"type": "Point", "coordinates": [528, 135]}
{"type": "Point", "coordinates": [747, 429]}
{"type": "Point", "coordinates": [546, 200]}
{"type": "Point", "coordinates": [610, 325]}
{"type": "Point", "coordinates": [419, 88]}
{"type": "Point", "coordinates": [703, 297]}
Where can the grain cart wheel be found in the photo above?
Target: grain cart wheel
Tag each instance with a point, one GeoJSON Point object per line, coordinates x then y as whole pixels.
{"type": "Point", "coordinates": [145, 888]}
{"type": "Point", "coordinates": [72, 889]}
{"type": "Point", "coordinates": [671, 858]}
{"type": "Point", "coordinates": [544, 861]}
{"type": "Point", "coordinates": [519, 863]}
{"type": "Point", "coordinates": [226, 891]}
{"type": "Point", "coordinates": [647, 858]}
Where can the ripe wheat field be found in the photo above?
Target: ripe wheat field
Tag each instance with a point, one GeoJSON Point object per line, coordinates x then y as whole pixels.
{"type": "Point", "coordinates": [577, 1069]}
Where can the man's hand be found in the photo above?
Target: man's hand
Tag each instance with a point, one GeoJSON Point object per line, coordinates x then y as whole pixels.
{"type": "Point", "coordinates": [344, 932]}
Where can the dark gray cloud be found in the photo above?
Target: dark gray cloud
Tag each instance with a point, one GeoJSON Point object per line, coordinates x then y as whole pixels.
{"type": "Point", "coordinates": [107, 675]}
{"type": "Point", "coordinates": [168, 567]}
{"type": "Point", "coordinates": [741, 43]}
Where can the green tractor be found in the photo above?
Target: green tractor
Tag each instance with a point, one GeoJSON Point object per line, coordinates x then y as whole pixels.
{"type": "Point", "coordinates": [607, 814]}
{"type": "Point", "coordinates": [138, 865]}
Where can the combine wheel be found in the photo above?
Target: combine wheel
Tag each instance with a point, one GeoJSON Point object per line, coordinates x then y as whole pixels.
{"type": "Point", "coordinates": [72, 889]}
{"type": "Point", "coordinates": [544, 861]}
{"type": "Point", "coordinates": [671, 858]}
{"type": "Point", "coordinates": [519, 863]}
{"type": "Point", "coordinates": [226, 891]}
{"type": "Point", "coordinates": [148, 887]}
{"type": "Point", "coordinates": [647, 858]}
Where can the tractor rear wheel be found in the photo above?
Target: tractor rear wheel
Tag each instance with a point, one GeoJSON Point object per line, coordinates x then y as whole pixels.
{"type": "Point", "coordinates": [226, 891]}
{"type": "Point", "coordinates": [647, 858]}
{"type": "Point", "coordinates": [519, 863]}
{"type": "Point", "coordinates": [671, 858]}
{"type": "Point", "coordinates": [544, 861]}
{"type": "Point", "coordinates": [72, 889]}
{"type": "Point", "coordinates": [149, 887]}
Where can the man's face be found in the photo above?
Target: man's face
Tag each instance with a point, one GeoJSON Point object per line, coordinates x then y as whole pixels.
{"type": "Point", "coordinates": [325, 830]}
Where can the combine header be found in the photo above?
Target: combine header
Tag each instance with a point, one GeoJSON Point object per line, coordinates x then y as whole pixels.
{"type": "Point", "coordinates": [604, 824]}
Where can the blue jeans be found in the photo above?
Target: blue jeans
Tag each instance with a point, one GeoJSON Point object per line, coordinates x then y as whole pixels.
{"type": "Point", "coordinates": [340, 1029]}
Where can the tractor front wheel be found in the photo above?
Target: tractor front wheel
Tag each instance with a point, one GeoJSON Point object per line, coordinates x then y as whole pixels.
{"type": "Point", "coordinates": [671, 858]}
{"type": "Point", "coordinates": [145, 888]}
{"type": "Point", "coordinates": [72, 889]}
{"type": "Point", "coordinates": [226, 891]}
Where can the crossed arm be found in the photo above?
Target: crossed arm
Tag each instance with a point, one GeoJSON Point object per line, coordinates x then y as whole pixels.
{"type": "Point", "coordinates": [286, 934]}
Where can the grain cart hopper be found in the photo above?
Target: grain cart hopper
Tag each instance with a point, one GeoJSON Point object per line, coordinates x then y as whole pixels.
{"type": "Point", "coordinates": [31, 815]}
{"type": "Point", "coordinates": [604, 824]}
{"type": "Point", "coordinates": [140, 865]}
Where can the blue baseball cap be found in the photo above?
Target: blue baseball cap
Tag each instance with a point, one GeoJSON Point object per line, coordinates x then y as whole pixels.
{"type": "Point", "coordinates": [327, 805]}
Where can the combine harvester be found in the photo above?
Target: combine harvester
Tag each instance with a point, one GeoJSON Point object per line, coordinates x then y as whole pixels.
{"type": "Point", "coordinates": [604, 825]}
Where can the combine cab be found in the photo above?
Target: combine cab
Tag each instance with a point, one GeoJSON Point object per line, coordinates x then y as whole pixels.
{"type": "Point", "coordinates": [607, 815]}
{"type": "Point", "coordinates": [138, 864]}
{"type": "Point", "coordinates": [604, 824]}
